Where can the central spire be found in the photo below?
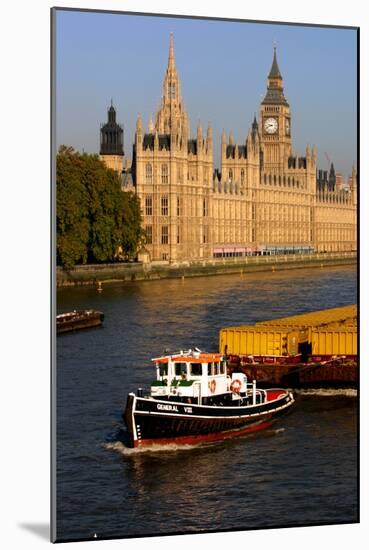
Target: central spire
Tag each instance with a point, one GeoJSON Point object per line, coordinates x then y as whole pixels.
{"type": "Point", "coordinates": [171, 59]}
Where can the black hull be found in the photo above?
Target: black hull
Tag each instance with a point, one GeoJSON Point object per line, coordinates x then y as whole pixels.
{"type": "Point", "coordinates": [152, 421]}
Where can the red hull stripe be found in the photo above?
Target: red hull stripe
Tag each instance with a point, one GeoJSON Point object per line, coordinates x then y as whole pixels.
{"type": "Point", "coordinates": [193, 439]}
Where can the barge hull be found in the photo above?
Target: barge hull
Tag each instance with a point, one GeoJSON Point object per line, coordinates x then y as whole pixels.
{"type": "Point", "coordinates": [330, 374]}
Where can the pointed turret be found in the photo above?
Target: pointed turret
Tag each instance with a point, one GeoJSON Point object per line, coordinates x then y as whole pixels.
{"type": "Point", "coordinates": [255, 130]}
{"type": "Point", "coordinates": [307, 152]}
{"type": "Point", "coordinates": [209, 139]}
{"type": "Point", "coordinates": [231, 138]}
{"type": "Point", "coordinates": [151, 126]}
{"type": "Point", "coordinates": [274, 71]}
{"type": "Point", "coordinates": [274, 95]}
{"type": "Point", "coordinates": [224, 137]}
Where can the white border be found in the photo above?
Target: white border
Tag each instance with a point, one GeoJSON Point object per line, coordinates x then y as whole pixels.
{"type": "Point", "coordinates": [24, 218]}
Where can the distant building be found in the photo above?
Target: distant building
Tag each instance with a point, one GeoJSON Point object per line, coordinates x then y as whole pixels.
{"type": "Point", "coordinates": [111, 142]}
{"type": "Point", "coordinates": [263, 200]}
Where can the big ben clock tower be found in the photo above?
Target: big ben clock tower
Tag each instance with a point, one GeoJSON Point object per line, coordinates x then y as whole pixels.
{"type": "Point", "coordinates": [275, 122]}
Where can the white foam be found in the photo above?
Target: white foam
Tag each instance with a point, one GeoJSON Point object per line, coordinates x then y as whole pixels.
{"type": "Point", "coordinates": [328, 392]}
{"type": "Point", "coordinates": [120, 448]}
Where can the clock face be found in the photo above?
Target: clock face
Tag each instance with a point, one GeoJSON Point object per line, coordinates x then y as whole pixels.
{"type": "Point", "coordinates": [270, 125]}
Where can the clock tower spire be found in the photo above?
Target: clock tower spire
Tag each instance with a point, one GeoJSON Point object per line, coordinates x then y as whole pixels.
{"type": "Point", "coordinates": [275, 121]}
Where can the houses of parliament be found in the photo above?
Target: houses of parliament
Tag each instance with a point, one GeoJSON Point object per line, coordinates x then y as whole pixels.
{"type": "Point", "coordinates": [262, 200]}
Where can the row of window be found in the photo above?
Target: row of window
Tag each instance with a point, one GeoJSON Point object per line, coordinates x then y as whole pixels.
{"type": "Point", "coordinates": [286, 181]}
{"type": "Point", "coordinates": [194, 369]}
{"type": "Point", "coordinates": [164, 174]}
{"type": "Point", "coordinates": [164, 234]}
{"type": "Point", "coordinates": [164, 206]}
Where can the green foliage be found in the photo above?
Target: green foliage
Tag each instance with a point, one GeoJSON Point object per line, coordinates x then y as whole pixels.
{"type": "Point", "coordinates": [95, 219]}
{"type": "Point", "coordinates": [132, 233]}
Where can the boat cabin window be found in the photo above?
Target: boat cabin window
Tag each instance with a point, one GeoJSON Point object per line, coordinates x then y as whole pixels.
{"type": "Point", "coordinates": [180, 369]}
{"type": "Point", "coordinates": [210, 369]}
{"type": "Point", "coordinates": [163, 369]}
{"type": "Point", "coordinates": [196, 369]}
{"type": "Point", "coordinates": [222, 367]}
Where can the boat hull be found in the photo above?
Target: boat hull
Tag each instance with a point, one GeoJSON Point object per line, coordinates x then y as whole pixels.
{"type": "Point", "coordinates": [79, 320]}
{"type": "Point", "coordinates": [152, 421]}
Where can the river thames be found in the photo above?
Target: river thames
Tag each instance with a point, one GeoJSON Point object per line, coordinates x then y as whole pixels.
{"type": "Point", "coordinates": [301, 472]}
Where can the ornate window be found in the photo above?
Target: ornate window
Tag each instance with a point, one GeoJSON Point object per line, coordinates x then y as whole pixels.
{"type": "Point", "coordinates": [204, 207]}
{"type": "Point", "coordinates": [242, 176]}
{"type": "Point", "coordinates": [164, 205]}
{"type": "Point", "coordinates": [148, 173]}
{"type": "Point", "coordinates": [164, 173]}
{"type": "Point", "coordinates": [164, 234]}
{"type": "Point", "coordinates": [179, 206]}
{"type": "Point", "coordinates": [148, 205]}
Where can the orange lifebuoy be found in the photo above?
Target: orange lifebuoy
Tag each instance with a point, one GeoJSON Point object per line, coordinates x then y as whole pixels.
{"type": "Point", "coordinates": [212, 386]}
{"type": "Point", "coordinates": [236, 386]}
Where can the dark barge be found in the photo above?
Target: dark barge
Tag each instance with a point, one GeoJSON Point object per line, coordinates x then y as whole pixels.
{"type": "Point", "coordinates": [292, 372]}
{"type": "Point", "coordinates": [77, 320]}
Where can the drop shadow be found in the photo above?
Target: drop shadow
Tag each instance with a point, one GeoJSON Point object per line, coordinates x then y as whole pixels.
{"type": "Point", "coordinates": [40, 529]}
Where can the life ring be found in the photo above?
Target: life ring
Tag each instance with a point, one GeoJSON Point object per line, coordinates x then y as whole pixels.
{"type": "Point", "coordinates": [236, 386]}
{"type": "Point", "coordinates": [212, 385]}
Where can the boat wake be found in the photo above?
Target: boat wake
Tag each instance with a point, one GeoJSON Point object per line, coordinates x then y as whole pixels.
{"type": "Point", "coordinates": [328, 392]}
{"type": "Point", "coordinates": [120, 448]}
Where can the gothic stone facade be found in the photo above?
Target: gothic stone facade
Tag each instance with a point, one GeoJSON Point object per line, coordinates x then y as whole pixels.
{"type": "Point", "coordinates": [263, 198]}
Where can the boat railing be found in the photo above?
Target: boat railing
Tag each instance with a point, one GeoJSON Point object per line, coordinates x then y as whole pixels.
{"type": "Point", "coordinates": [198, 383]}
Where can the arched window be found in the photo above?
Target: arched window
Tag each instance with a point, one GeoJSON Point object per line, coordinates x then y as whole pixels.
{"type": "Point", "coordinates": [164, 173]}
{"type": "Point", "coordinates": [242, 176]}
{"type": "Point", "coordinates": [279, 180]}
{"type": "Point", "coordinates": [265, 178]}
{"type": "Point", "coordinates": [230, 175]}
{"type": "Point", "coordinates": [293, 182]}
{"type": "Point", "coordinates": [284, 181]}
{"type": "Point", "coordinates": [148, 173]}
{"type": "Point", "coordinates": [289, 182]}
{"type": "Point", "coordinates": [270, 179]}
{"type": "Point", "coordinates": [275, 179]}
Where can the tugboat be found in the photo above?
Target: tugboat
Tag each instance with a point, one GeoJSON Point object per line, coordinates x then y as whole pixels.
{"type": "Point", "coordinates": [193, 400]}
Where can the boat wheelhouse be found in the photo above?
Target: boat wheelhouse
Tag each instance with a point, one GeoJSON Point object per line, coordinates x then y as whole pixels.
{"type": "Point", "coordinates": [193, 399]}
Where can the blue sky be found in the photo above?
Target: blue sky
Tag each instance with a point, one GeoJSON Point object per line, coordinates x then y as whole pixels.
{"type": "Point", "coordinates": [223, 67]}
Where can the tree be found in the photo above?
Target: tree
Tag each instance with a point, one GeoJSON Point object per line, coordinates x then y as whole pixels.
{"type": "Point", "coordinates": [95, 218]}
{"type": "Point", "coordinates": [132, 233]}
{"type": "Point", "coordinates": [72, 219]}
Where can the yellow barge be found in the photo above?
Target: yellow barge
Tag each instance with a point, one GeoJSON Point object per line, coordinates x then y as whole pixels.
{"type": "Point", "coordinates": [298, 344]}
